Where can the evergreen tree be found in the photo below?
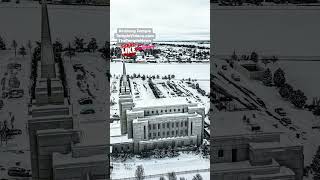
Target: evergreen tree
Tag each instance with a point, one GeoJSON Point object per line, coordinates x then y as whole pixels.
{"type": "Point", "coordinates": [274, 59]}
{"type": "Point", "coordinates": [70, 52]}
{"type": "Point", "coordinates": [162, 178]}
{"type": "Point", "coordinates": [79, 44]}
{"type": "Point", "coordinates": [234, 56]}
{"type": "Point", "coordinates": [15, 45]}
{"type": "Point", "coordinates": [254, 57]}
{"type": "Point", "coordinates": [315, 165]}
{"type": "Point", "coordinates": [267, 77]}
{"type": "Point", "coordinates": [57, 46]}
{"type": "Point", "coordinates": [197, 177]}
{"type": "Point", "coordinates": [92, 45]}
{"type": "Point", "coordinates": [22, 51]}
{"type": "Point", "coordinates": [105, 51]}
{"type": "Point", "coordinates": [265, 62]}
{"type": "Point", "coordinates": [2, 44]}
{"type": "Point", "coordinates": [172, 176]}
{"type": "Point", "coordinates": [298, 99]}
{"type": "Point", "coordinates": [29, 45]}
{"type": "Point", "coordinates": [286, 90]}
{"type": "Point", "coordinates": [279, 78]}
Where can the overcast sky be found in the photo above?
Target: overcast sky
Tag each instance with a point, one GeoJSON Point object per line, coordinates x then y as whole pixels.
{"type": "Point", "coordinates": [170, 19]}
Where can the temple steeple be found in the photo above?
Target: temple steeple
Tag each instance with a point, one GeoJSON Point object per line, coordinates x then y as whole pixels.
{"type": "Point", "coordinates": [47, 55]}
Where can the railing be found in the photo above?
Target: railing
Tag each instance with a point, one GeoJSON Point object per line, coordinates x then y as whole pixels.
{"type": "Point", "coordinates": [165, 174]}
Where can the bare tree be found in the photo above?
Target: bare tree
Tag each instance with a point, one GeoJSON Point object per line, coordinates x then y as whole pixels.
{"type": "Point", "coordinates": [15, 45]}
{"type": "Point", "coordinates": [140, 172]}
{"type": "Point", "coordinates": [172, 176]}
{"type": "Point", "coordinates": [70, 52]}
{"type": "Point", "coordinates": [29, 45]}
{"type": "Point", "coordinates": [22, 51]}
{"type": "Point", "coordinates": [197, 177]}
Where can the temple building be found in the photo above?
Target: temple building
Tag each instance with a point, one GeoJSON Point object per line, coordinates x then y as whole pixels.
{"type": "Point", "coordinates": [62, 146]}
{"type": "Point", "coordinates": [248, 148]}
{"type": "Point", "coordinates": [156, 123]}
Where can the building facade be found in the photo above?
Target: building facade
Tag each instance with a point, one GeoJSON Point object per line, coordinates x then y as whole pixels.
{"type": "Point", "coordinates": [60, 147]}
{"type": "Point", "coordinates": [157, 124]}
{"type": "Point", "coordinates": [250, 151]}
{"type": "Point", "coordinates": [250, 70]}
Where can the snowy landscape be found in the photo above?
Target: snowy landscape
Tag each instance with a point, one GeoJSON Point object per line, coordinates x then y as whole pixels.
{"type": "Point", "coordinates": [185, 77]}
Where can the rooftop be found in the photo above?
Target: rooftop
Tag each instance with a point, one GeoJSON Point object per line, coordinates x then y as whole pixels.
{"type": "Point", "coordinates": [174, 101]}
{"type": "Point", "coordinates": [93, 133]}
{"type": "Point", "coordinates": [231, 123]}
{"type": "Point", "coordinates": [60, 160]}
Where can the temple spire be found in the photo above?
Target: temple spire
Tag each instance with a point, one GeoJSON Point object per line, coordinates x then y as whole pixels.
{"type": "Point", "coordinates": [47, 55]}
{"type": "Point", "coordinates": [124, 68]}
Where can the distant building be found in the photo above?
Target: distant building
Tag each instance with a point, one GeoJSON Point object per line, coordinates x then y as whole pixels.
{"type": "Point", "coordinates": [246, 149]}
{"type": "Point", "coordinates": [156, 123]}
{"type": "Point", "coordinates": [250, 70]}
{"type": "Point", "coordinates": [61, 146]}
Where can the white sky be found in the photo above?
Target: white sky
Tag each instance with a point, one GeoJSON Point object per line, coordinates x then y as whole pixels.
{"type": "Point", "coordinates": [170, 19]}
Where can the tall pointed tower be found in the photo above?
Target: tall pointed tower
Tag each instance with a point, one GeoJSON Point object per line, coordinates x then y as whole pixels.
{"type": "Point", "coordinates": [125, 99]}
{"type": "Point", "coordinates": [49, 88]}
{"type": "Point", "coordinates": [50, 121]}
{"type": "Point", "coordinates": [47, 55]}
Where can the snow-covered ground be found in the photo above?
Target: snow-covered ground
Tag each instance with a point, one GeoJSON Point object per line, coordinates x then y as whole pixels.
{"type": "Point", "coordinates": [160, 167]}
{"type": "Point", "coordinates": [17, 148]}
{"type": "Point", "coordinates": [302, 120]}
{"type": "Point", "coordinates": [182, 70]}
{"type": "Point", "coordinates": [93, 84]}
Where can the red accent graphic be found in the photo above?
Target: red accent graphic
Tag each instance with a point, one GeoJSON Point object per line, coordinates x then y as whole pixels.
{"type": "Point", "coordinates": [128, 50]}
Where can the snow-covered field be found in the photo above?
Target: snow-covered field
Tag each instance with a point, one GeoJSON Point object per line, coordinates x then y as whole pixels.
{"type": "Point", "coordinates": [193, 71]}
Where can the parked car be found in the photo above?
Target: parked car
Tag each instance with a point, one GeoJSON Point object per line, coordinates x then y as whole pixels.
{"type": "Point", "coordinates": [292, 128]}
{"type": "Point", "coordinates": [284, 123]}
{"type": "Point", "coordinates": [83, 101]}
{"type": "Point", "coordinates": [87, 111]}
{"type": "Point", "coordinates": [260, 102]}
{"type": "Point", "coordinates": [18, 172]}
{"type": "Point", "coordinates": [16, 93]}
{"type": "Point", "coordinates": [4, 95]}
{"type": "Point", "coordinates": [286, 120]}
{"type": "Point", "coordinates": [11, 132]}
{"type": "Point", "coordinates": [280, 111]}
{"type": "Point", "coordinates": [1, 103]}
{"type": "Point", "coordinates": [14, 66]}
{"type": "Point", "coordinates": [77, 67]}
{"type": "Point", "coordinates": [235, 77]}
{"type": "Point", "coordinates": [224, 67]}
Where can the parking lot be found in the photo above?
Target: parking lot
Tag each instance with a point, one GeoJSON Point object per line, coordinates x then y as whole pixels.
{"type": "Point", "coordinates": [14, 99]}
{"type": "Point", "coordinates": [87, 86]}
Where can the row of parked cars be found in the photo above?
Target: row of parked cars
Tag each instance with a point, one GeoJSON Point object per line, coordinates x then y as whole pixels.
{"type": "Point", "coordinates": [86, 101]}
{"type": "Point", "coordinates": [19, 172]}
{"type": "Point", "coordinates": [283, 120]}
{"type": "Point", "coordinates": [13, 93]}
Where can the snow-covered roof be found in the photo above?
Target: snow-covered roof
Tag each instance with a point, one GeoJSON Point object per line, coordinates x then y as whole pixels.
{"type": "Point", "coordinates": [231, 123]}
{"type": "Point", "coordinates": [65, 160]}
{"type": "Point", "coordinates": [149, 103]}
{"type": "Point", "coordinates": [93, 133]}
